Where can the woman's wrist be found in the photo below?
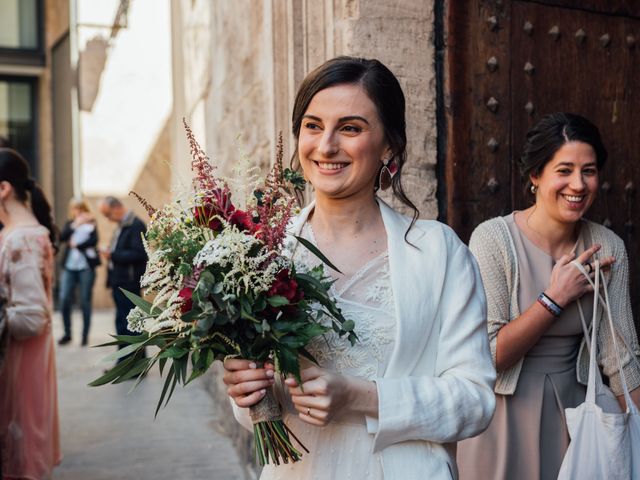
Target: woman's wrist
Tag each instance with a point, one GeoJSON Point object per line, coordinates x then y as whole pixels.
{"type": "Point", "coordinates": [549, 304]}
{"type": "Point", "coordinates": [557, 297]}
{"type": "Point", "coordinates": [363, 396]}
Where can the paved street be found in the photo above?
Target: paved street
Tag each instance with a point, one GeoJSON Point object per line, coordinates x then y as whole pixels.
{"type": "Point", "coordinates": [109, 433]}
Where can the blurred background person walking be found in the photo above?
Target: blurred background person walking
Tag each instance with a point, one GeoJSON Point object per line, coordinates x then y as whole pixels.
{"type": "Point", "coordinates": [126, 257]}
{"type": "Point", "coordinates": [29, 429]}
{"type": "Point", "coordinates": [79, 262]}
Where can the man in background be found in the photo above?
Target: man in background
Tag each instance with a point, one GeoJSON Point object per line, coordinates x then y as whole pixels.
{"type": "Point", "coordinates": [126, 258]}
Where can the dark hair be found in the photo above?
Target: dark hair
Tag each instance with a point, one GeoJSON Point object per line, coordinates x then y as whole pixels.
{"type": "Point", "coordinates": [15, 170]}
{"type": "Point", "coordinates": [112, 201]}
{"type": "Point", "coordinates": [382, 88]}
{"type": "Point", "coordinates": [549, 135]}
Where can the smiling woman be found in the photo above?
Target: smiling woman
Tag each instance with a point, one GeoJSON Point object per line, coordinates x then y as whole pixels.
{"type": "Point", "coordinates": [533, 292]}
{"type": "Point", "coordinates": [420, 376]}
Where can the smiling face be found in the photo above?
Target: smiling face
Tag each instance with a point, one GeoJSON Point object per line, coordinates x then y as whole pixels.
{"type": "Point", "coordinates": [568, 183]}
{"type": "Point", "coordinates": [342, 142]}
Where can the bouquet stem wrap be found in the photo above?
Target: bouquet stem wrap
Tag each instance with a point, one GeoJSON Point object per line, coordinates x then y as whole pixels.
{"type": "Point", "coordinates": [272, 436]}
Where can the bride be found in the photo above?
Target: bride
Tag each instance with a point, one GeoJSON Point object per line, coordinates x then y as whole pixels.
{"type": "Point", "coordinates": [421, 376]}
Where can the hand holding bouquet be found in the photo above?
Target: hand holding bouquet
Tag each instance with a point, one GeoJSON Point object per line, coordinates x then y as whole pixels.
{"type": "Point", "coordinates": [225, 285]}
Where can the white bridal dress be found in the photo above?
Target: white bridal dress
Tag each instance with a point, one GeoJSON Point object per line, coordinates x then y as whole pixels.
{"type": "Point", "coordinates": [342, 450]}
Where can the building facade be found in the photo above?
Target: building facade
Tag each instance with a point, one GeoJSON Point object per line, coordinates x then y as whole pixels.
{"type": "Point", "coordinates": [35, 89]}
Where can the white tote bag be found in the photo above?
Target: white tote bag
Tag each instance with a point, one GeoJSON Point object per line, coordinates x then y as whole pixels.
{"type": "Point", "coordinates": [601, 434]}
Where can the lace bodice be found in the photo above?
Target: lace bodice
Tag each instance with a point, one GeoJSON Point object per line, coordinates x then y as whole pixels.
{"type": "Point", "coordinates": [367, 299]}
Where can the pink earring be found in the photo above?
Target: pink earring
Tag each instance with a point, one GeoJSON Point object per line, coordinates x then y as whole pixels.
{"type": "Point", "coordinates": [384, 179]}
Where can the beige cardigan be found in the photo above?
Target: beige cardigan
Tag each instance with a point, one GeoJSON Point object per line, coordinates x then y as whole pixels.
{"type": "Point", "coordinates": [493, 247]}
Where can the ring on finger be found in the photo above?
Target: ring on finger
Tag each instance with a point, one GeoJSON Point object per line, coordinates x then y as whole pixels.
{"type": "Point", "coordinates": [308, 411]}
{"type": "Point", "coordinates": [589, 267]}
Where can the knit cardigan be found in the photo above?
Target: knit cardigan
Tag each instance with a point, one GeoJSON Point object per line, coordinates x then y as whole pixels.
{"type": "Point", "coordinates": [493, 247]}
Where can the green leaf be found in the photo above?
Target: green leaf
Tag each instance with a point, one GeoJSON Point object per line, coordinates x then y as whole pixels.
{"type": "Point", "coordinates": [288, 362]}
{"type": "Point", "coordinates": [135, 371]}
{"type": "Point", "coordinates": [277, 301]}
{"type": "Point", "coordinates": [123, 352]}
{"type": "Point", "coordinates": [118, 370]}
{"type": "Point", "coordinates": [348, 325]}
{"type": "Point", "coordinates": [173, 352]}
{"type": "Point", "coordinates": [190, 316]}
{"type": "Point", "coordinates": [161, 364]}
{"type": "Point", "coordinates": [138, 301]}
{"type": "Point", "coordinates": [313, 249]}
{"type": "Point", "coordinates": [165, 388]}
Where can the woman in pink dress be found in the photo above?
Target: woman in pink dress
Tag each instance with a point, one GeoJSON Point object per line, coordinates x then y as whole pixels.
{"type": "Point", "coordinates": [29, 433]}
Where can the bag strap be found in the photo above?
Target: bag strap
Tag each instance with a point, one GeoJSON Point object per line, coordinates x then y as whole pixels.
{"type": "Point", "coordinates": [593, 377]}
{"type": "Point", "coordinates": [603, 301]}
{"type": "Point", "coordinates": [630, 405]}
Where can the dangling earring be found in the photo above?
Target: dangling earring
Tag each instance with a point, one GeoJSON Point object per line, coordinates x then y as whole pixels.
{"type": "Point", "coordinates": [534, 189]}
{"type": "Point", "coordinates": [384, 179]}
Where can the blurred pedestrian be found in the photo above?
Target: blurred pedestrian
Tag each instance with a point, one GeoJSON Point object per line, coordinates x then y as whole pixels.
{"type": "Point", "coordinates": [29, 431]}
{"type": "Point", "coordinates": [126, 257]}
{"type": "Point", "coordinates": [78, 266]}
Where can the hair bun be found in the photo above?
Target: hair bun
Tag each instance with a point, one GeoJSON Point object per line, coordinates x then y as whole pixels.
{"type": "Point", "coordinates": [29, 184]}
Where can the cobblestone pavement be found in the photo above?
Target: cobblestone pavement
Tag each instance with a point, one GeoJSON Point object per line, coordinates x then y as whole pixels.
{"type": "Point", "coordinates": [109, 433]}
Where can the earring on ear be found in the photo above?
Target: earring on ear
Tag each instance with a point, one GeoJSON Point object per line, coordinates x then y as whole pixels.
{"type": "Point", "coordinates": [534, 189]}
{"type": "Point", "coordinates": [384, 178]}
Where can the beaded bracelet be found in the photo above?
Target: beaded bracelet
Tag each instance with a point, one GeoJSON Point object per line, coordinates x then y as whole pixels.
{"type": "Point", "coordinates": [549, 304]}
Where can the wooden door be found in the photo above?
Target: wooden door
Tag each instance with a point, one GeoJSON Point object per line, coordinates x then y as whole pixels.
{"type": "Point", "coordinates": [509, 62]}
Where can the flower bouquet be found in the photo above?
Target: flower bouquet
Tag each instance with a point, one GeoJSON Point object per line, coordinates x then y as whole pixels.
{"type": "Point", "coordinates": [224, 286]}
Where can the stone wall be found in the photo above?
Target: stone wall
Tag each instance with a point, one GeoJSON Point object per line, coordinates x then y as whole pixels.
{"type": "Point", "coordinates": [56, 25]}
{"type": "Point", "coordinates": [237, 65]}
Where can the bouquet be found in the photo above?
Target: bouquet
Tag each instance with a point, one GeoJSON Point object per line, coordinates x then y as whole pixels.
{"type": "Point", "coordinates": [225, 285]}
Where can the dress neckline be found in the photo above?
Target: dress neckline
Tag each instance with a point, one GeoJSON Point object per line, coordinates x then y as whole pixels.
{"type": "Point", "coordinates": [538, 248]}
{"type": "Point", "coordinates": [349, 281]}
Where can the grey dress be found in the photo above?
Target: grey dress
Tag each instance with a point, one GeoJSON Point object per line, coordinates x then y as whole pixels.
{"type": "Point", "coordinates": [527, 437]}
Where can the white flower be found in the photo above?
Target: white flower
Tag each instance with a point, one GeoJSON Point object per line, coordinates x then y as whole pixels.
{"type": "Point", "coordinates": [248, 265]}
{"type": "Point", "coordinates": [136, 320]}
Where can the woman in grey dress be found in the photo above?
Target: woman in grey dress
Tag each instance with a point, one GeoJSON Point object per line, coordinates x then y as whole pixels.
{"type": "Point", "coordinates": [533, 293]}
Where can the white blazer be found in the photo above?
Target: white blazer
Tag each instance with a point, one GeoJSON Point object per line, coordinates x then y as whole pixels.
{"type": "Point", "coordinates": [438, 386]}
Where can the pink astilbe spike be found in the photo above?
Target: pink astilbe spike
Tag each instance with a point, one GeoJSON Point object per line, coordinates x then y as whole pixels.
{"type": "Point", "coordinates": [143, 201]}
{"type": "Point", "coordinates": [276, 206]}
{"type": "Point", "coordinates": [203, 178]}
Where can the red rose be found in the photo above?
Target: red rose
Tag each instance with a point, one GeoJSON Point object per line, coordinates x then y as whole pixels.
{"type": "Point", "coordinates": [286, 287]}
{"type": "Point", "coordinates": [186, 293]}
{"type": "Point", "coordinates": [242, 220]}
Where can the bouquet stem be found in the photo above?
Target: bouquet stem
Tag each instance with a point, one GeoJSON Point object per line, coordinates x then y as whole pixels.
{"type": "Point", "coordinates": [272, 441]}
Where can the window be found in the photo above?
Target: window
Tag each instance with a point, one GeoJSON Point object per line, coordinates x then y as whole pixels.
{"type": "Point", "coordinates": [17, 116]}
{"type": "Point", "coordinates": [21, 31]}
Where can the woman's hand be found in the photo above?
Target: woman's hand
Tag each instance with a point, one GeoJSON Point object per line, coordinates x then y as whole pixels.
{"type": "Point", "coordinates": [246, 382]}
{"type": "Point", "coordinates": [324, 395]}
{"type": "Point", "coordinates": [567, 282]}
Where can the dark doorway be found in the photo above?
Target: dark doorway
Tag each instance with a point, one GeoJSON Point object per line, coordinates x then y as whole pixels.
{"type": "Point", "coordinates": [509, 62]}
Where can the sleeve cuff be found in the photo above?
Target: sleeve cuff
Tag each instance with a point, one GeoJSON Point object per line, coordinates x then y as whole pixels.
{"type": "Point", "coordinates": [631, 373]}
